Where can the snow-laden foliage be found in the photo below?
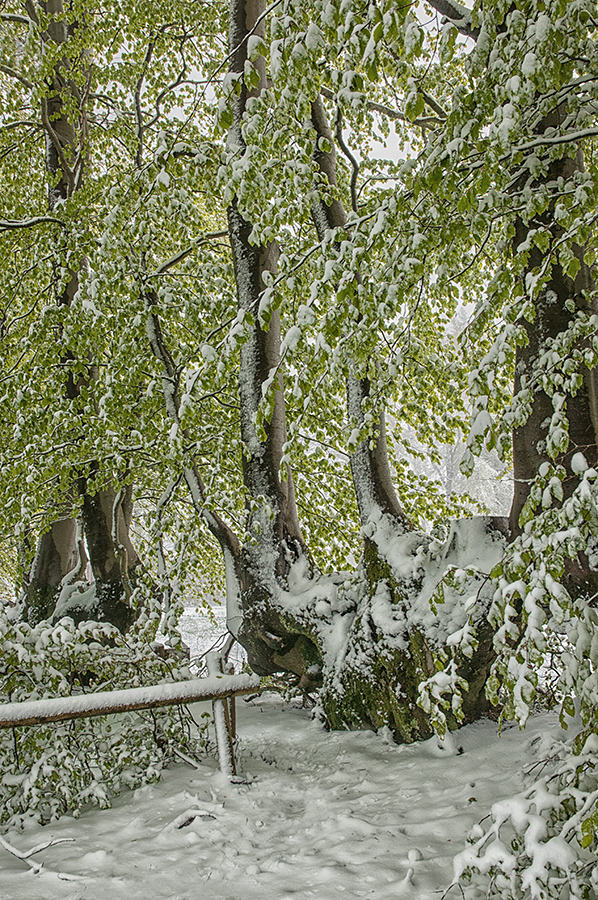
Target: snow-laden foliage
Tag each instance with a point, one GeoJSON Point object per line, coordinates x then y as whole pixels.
{"type": "Point", "coordinates": [491, 208]}
{"type": "Point", "coordinates": [51, 769]}
{"type": "Point", "coordinates": [542, 842]}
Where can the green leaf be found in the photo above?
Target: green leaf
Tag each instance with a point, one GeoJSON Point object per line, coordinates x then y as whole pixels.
{"type": "Point", "coordinates": [414, 107]}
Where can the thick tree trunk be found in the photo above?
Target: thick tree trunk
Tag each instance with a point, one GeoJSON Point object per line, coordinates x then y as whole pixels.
{"type": "Point", "coordinates": [555, 312]}
{"type": "Point", "coordinates": [273, 643]}
{"type": "Point", "coordinates": [57, 550]}
{"type": "Point", "coordinates": [57, 556]}
{"type": "Point", "coordinates": [383, 688]}
{"type": "Point", "coordinates": [113, 559]}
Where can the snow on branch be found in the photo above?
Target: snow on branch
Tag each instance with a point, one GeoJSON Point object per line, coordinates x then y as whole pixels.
{"type": "Point", "coordinates": [183, 254]}
{"type": "Point", "coordinates": [390, 113]}
{"type": "Point", "coordinates": [553, 140]}
{"type": "Point", "coordinates": [12, 73]}
{"type": "Point", "coordinates": [14, 17]}
{"type": "Point", "coordinates": [25, 855]}
{"type": "Point", "coordinates": [457, 15]}
{"type": "Point", "coordinates": [11, 224]}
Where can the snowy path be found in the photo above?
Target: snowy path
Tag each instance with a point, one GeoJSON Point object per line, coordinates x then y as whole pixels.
{"type": "Point", "coordinates": [325, 815]}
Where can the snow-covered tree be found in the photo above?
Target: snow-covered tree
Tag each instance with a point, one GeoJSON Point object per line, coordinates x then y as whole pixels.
{"type": "Point", "coordinates": [259, 293]}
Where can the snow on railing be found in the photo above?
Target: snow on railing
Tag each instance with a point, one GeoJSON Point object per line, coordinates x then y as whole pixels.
{"type": "Point", "coordinates": [216, 687]}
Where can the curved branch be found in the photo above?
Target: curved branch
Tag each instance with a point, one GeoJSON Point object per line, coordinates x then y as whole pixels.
{"type": "Point", "coordinates": [392, 114]}
{"type": "Point", "coordinates": [12, 224]}
{"type": "Point", "coordinates": [28, 123]}
{"type": "Point", "coordinates": [13, 17]}
{"type": "Point", "coordinates": [183, 254]}
{"type": "Point", "coordinates": [350, 157]}
{"type": "Point", "coordinates": [12, 73]}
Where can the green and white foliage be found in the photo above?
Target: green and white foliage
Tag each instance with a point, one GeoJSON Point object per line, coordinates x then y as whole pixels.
{"type": "Point", "coordinates": [489, 206]}
{"type": "Point", "coordinates": [525, 179]}
{"type": "Point", "coordinates": [51, 769]}
{"type": "Point", "coordinates": [543, 842]}
{"type": "Point", "coordinates": [497, 208]}
{"type": "Point", "coordinates": [540, 843]}
{"type": "Point", "coordinates": [141, 201]}
{"type": "Point", "coordinates": [365, 297]}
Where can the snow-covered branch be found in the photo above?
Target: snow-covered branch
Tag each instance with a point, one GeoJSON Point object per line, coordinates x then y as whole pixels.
{"type": "Point", "coordinates": [13, 224]}
{"type": "Point", "coordinates": [12, 73]}
{"type": "Point", "coordinates": [183, 254]}
{"type": "Point", "coordinates": [457, 15]}
{"type": "Point", "coordinates": [387, 111]}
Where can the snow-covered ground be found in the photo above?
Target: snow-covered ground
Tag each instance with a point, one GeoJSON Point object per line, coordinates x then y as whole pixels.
{"type": "Point", "coordinates": [322, 815]}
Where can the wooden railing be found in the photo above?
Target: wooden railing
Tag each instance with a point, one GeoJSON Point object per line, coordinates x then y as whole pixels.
{"type": "Point", "coordinates": [221, 689]}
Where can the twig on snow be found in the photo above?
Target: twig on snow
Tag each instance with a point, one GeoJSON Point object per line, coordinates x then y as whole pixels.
{"type": "Point", "coordinates": [25, 854]}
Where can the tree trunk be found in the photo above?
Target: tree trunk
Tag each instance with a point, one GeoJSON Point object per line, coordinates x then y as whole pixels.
{"type": "Point", "coordinates": [273, 642]}
{"type": "Point", "coordinates": [56, 557]}
{"type": "Point", "coordinates": [553, 318]}
{"type": "Point", "coordinates": [379, 685]}
{"type": "Point", "coordinates": [114, 562]}
{"type": "Point", "coordinates": [59, 549]}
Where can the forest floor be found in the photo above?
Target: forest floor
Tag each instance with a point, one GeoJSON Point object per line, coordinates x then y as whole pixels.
{"type": "Point", "coordinates": [322, 815]}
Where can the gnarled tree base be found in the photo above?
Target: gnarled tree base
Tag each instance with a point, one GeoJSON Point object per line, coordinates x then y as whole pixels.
{"type": "Point", "coordinates": [389, 651]}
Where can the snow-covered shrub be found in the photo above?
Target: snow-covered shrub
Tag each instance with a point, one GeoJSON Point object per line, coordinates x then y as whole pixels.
{"type": "Point", "coordinates": [47, 770]}
{"type": "Point", "coordinates": [542, 843]}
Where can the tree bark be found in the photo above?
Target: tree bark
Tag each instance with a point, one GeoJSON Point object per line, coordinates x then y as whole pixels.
{"type": "Point", "coordinates": [553, 318]}
{"type": "Point", "coordinates": [114, 561]}
{"type": "Point", "coordinates": [57, 555]}
{"type": "Point", "coordinates": [65, 135]}
{"type": "Point", "coordinates": [275, 541]}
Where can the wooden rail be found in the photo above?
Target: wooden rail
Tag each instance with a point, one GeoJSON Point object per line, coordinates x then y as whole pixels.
{"type": "Point", "coordinates": [216, 687]}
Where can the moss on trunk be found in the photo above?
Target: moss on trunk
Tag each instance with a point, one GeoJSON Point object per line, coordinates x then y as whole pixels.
{"type": "Point", "coordinates": [378, 686]}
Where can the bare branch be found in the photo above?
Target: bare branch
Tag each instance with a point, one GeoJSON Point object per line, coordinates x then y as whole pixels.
{"type": "Point", "coordinates": [433, 104]}
{"type": "Point", "coordinates": [553, 140]}
{"type": "Point", "coordinates": [28, 123]}
{"type": "Point", "coordinates": [387, 111]}
{"type": "Point", "coordinates": [170, 87]}
{"type": "Point", "coordinates": [13, 17]}
{"type": "Point", "coordinates": [350, 157]}
{"type": "Point", "coordinates": [25, 854]}
{"type": "Point", "coordinates": [137, 95]}
{"type": "Point", "coordinates": [183, 254]}
{"type": "Point", "coordinates": [31, 10]}
{"type": "Point", "coordinates": [218, 527]}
